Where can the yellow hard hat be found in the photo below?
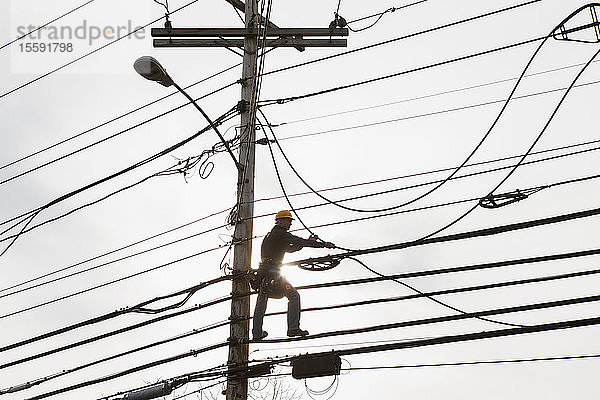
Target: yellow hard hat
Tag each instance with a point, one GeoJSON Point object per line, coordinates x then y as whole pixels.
{"type": "Point", "coordinates": [283, 214]}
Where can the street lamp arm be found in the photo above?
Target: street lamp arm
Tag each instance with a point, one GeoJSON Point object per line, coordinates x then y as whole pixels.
{"type": "Point", "coordinates": [210, 122]}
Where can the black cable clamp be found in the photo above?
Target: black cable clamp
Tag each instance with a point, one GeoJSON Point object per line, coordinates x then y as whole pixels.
{"type": "Point", "coordinates": [500, 200]}
{"type": "Point", "coordinates": [241, 106]}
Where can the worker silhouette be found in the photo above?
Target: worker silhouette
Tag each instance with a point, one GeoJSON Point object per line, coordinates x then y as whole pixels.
{"type": "Point", "coordinates": [269, 280]}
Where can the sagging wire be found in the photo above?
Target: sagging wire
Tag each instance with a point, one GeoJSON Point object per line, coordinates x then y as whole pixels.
{"type": "Point", "coordinates": [340, 22]}
{"type": "Point", "coordinates": [443, 304]}
{"type": "Point", "coordinates": [554, 112]}
{"type": "Point", "coordinates": [317, 394]}
{"type": "Point", "coordinates": [489, 131]}
{"type": "Point", "coordinates": [331, 264]}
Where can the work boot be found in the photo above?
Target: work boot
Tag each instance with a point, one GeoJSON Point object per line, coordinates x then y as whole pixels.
{"type": "Point", "coordinates": [297, 332]}
{"type": "Point", "coordinates": [262, 335]}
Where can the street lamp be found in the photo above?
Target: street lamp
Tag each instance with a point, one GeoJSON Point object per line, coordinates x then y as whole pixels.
{"type": "Point", "coordinates": [150, 68]}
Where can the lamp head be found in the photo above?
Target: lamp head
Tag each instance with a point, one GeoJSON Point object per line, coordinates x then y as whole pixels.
{"type": "Point", "coordinates": [150, 68]}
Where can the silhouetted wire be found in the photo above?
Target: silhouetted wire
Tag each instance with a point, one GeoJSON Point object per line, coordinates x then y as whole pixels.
{"type": "Point", "coordinates": [29, 220]}
{"type": "Point", "coordinates": [392, 346]}
{"type": "Point", "coordinates": [467, 363]}
{"type": "Point", "coordinates": [406, 275]}
{"type": "Point", "coordinates": [494, 123]}
{"type": "Point", "coordinates": [428, 207]}
{"type": "Point", "coordinates": [454, 172]}
{"type": "Point", "coordinates": [71, 370]}
{"type": "Point", "coordinates": [191, 353]}
{"type": "Point", "coordinates": [437, 94]}
{"type": "Point", "coordinates": [548, 185]}
{"type": "Point", "coordinates": [429, 30]}
{"type": "Point", "coordinates": [396, 74]}
{"type": "Point", "coordinates": [10, 314]}
{"type": "Point", "coordinates": [46, 24]}
{"type": "Point", "coordinates": [91, 52]}
{"type": "Point", "coordinates": [122, 116]}
{"type": "Point", "coordinates": [428, 114]}
{"type": "Point", "coordinates": [107, 138]}
{"type": "Point", "coordinates": [130, 168]}
{"type": "Point", "coordinates": [514, 168]}
{"type": "Point", "coordinates": [271, 72]}
{"type": "Point", "coordinates": [181, 167]}
{"type": "Point", "coordinates": [443, 304]}
{"type": "Point", "coordinates": [379, 16]}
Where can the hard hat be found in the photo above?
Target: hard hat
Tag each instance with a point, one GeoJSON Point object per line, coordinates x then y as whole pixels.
{"type": "Point", "coordinates": [283, 214]}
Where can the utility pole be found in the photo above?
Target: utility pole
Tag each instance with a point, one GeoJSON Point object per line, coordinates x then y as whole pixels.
{"type": "Point", "coordinates": [240, 306]}
{"type": "Point", "coordinates": [247, 40]}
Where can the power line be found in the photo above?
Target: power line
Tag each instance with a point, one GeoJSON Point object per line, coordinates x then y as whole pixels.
{"type": "Point", "coordinates": [385, 347]}
{"type": "Point", "coordinates": [55, 300]}
{"type": "Point", "coordinates": [406, 275]}
{"type": "Point", "coordinates": [428, 114]}
{"type": "Point", "coordinates": [191, 353]}
{"type": "Point", "coordinates": [91, 52]}
{"type": "Point", "coordinates": [429, 30]}
{"type": "Point", "coordinates": [23, 158]}
{"type": "Point", "coordinates": [123, 171]}
{"type": "Point", "coordinates": [550, 185]}
{"type": "Point", "coordinates": [379, 16]}
{"type": "Point", "coordinates": [396, 74]}
{"type": "Point", "coordinates": [272, 72]}
{"type": "Point", "coordinates": [467, 363]}
{"type": "Point", "coordinates": [457, 236]}
{"type": "Point", "coordinates": [108, 137]}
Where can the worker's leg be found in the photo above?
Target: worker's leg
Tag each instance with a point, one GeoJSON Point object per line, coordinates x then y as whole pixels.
{"type": "Point", "coordinates": [293, 314]}
{"type": "Point", "coordinates": [259, 314]}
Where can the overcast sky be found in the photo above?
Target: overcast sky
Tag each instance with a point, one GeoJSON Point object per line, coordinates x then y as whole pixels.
{"type": "Point", "coordinates": [413, 123]}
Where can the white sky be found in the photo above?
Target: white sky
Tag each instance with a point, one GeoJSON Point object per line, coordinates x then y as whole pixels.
{"type": "Point", "coordinates": [104, 85]}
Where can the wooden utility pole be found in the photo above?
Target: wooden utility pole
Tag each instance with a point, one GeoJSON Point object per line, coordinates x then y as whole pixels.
{"type": "Point", "coordinates": [240, 307]}
{"type": "Point", "coordinates": [246, 39]}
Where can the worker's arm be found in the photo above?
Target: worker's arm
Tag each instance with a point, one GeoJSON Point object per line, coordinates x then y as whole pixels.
{"type": "Point", "coordinates": [296, 243]}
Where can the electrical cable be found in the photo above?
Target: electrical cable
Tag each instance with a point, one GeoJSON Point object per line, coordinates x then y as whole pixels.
{"type": "Point", "coordinates": [68, 296]}
{"type": "Point", "coordinates": [191, 353]}
{"type": "Point", "coordinates": [100, 256]}
{"type": "Point", "coordinates": [23, 158]}
{"type": "Point", "coordinates": [431, 113]}
{"type": "Point", "coordinates": [309, 62]}
{"type": "Point", "coordinates": [476, 148]}
{"type": "Point", "coordinates": [91, 52]}
{"type": "Point", "coordinates": [514, 168]}
{"type": "Point", "coordinates": [467, 363]}
{"type": "Point", "coordinates": [392, 346]}
{"type": "Point", "coordinates": [495, 122]}
{"type": "Point", "coordinates": [429, 30]}
{"type": "Point", "coordinates": [436, 94]}
{"type": "Point", "coordinates": [125, 170]}
{"type": "Point", "coordinates": [443, 304]}
{"type": "Point", "coordinates": [46, 24]}
{"type": "Point", "coordinates": [396, 74]}
{"type": "Point", "coordinates": [439, 271]}
{"type": "Point", "coordinates": [570, 181]}
{"type": "Point", "coordinates": [107, 138]}
{"type": "Point", "coordinates": [113, 357]}
{"type": "Point", "coordinates": [456, 236]}
{"type": "Point", "coordinates": [379, 16]}
{"type": "Point", "coordinates": [175, 169]}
